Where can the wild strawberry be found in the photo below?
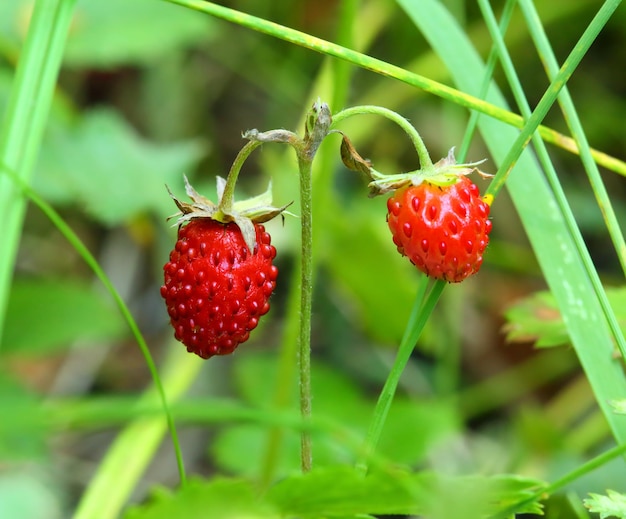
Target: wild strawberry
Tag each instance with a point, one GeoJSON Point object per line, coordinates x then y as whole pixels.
{"type": "Point", "coordinates": [215, 289]}
{"type": "Point", "coordinates": [436, 215]}
{"type": "Point", "coordinates": [220, 275]}
{"type": "Point", "coordinates": [443, 230]}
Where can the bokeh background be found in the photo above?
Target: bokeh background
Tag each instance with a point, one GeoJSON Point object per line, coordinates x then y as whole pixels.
{"type": "Point", "coordinates": [150, 91]}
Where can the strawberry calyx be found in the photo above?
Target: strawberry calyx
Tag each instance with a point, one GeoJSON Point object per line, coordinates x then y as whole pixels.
{"type": "Point", "coordinates": [445, 172]}
{"type": "Point", "coordinates": [244, 213]}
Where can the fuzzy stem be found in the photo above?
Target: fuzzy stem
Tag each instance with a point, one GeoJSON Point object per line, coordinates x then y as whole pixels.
{"type": "Point", "coordinates": [306, 297]}
{"type": "Point", "coordinates": [425, 161]}
{"type": "Point", "coordinates": [318, 124]}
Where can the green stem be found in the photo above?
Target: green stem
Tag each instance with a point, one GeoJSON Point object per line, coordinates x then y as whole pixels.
{"type": "Point", "coordinates": [255, 139]}
{"type": "Point", "coordinates": [228, 198]}
{"type": "Point", "coordinates": [318, 122]}
{"type": "Point", "coordinates": [425, 161]}
{"type": "Point", "coordinates": [419, 315]}
{"type": "Point", "coordinates": [306, 297]}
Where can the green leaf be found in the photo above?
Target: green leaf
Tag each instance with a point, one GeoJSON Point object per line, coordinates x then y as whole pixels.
{"type": "Point", "coordinates": [220, 497]}
{"type": "Point", "coordinates": [45, 315]}
{"type": "Point", "coordinates": [103, 164]}
{"type": "Point", "coordinates": [479, 496]}
{"type": "Point", "coordinates": [137, 32]}
{"type": "Point", "coordinates": [537, 318]}
{"type": "Point", "coordinates": [611, 505]}
{"type": "Point", "coordinates": [337, 491]}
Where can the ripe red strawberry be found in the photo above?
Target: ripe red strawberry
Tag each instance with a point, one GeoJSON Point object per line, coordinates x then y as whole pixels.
{"type": "Point", "coordinates": [220, 275]}
{"type": "Point", "coordinates": [442, 229]}
{"type": "Point", "coordinates": [215, 289]}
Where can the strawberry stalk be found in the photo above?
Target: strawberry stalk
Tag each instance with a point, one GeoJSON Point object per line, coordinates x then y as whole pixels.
{"type": "Point", "coordinates": [227, 201]}
{"type": "Point", "coordinates": [446, 172]}
{"type": "Point", "coordinates": [317, 127]}
{"type": "Point", "coordinates": [426, 164]}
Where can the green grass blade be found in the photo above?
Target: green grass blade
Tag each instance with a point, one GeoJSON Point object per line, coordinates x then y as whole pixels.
{"type": "Point", "coordinates": [546, 53]}
{"type": "Point", "coordinates": [22, 128]}
{"type": "Point", "coordinates": [546, 227]}
{"type": "Point", "coordinates": [381, 67]}
{"type": "Point", "coordinates": [551, 174]}
{"type": "Point", "coordinates": [422, 309]}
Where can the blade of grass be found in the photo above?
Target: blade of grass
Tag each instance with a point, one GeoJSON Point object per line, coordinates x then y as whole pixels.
{"type": "Point", "coordinates": [548, 58]}
{"type": "Point", "coordinates": [381, 67]}
{"type": "Point", "coordinates": [546, 227]}
{"type": "Point", "coordinates": [22, 128]}
{"type": "Point", "coordinates": [552, 177]}
{"type": "Point", "coordinates": [422, 308]}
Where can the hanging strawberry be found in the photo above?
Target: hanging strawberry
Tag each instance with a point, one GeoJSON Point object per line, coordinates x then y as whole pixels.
{"type": "Point", "coordinates": [220, 274]}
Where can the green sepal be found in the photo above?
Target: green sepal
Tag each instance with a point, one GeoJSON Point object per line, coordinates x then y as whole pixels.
{"type": "Point", "coordinates": [445, 172]}
{"type": "Point", "coordinates": [244, 213]}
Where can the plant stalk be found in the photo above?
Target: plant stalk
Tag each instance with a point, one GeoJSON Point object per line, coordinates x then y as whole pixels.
{"type": "Point", "coordinates": [306, 298]}
{"type": "Point", "coordinates": [422, 308]}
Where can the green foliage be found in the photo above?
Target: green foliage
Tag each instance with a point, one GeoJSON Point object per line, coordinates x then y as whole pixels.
{"type": "Point", "coordinates": [613, 504]}
{"type": "Point", "coordinates": [46, 315]}
{"type": "Point", "coordinates": [343, 492]}
{"type": "Point", "coordinates": [103, 154]}
{"type": "Point", "coordinates": [537, 318]}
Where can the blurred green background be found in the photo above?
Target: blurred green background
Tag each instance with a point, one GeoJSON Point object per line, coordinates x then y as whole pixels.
{"type": "Point", "coordinates": [149, 92]}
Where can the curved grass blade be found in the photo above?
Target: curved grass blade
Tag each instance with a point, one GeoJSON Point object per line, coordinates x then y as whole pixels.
{"type": "Point", "coordinates": [546, 53]}
{"type": "Point", "coordinates": [152, 429]}
{"type": "Point", "coordinates": [553, 180]}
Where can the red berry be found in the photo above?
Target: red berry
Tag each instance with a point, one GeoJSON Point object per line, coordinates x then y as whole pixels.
{"type": "Point", "coordinates": [443, 230]}
{"type": "Point", "coordinates": [215, 289]}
